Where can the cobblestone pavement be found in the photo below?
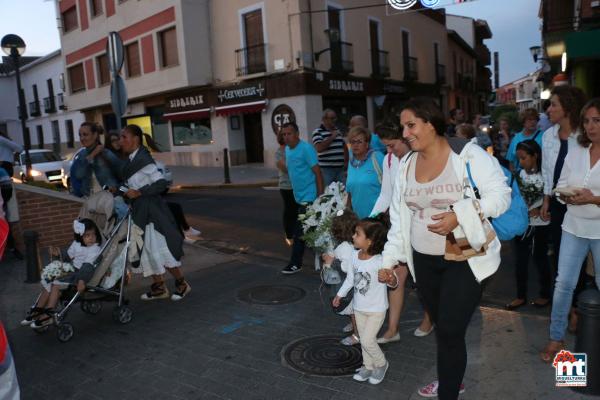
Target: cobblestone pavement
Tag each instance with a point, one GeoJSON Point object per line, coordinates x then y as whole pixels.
{"type": "Point", "coordinates": [213, 346]}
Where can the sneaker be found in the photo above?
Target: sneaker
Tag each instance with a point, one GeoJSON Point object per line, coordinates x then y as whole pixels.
{"type": "Point", "coordinates": [181, 293]}
{"type": "Point", "coordinates": [192, 232]}
{"type": "Point", "coordinates": [431, 390]}
{"type": "Point", "coordinates": [45, 320]}
{"type": "Point", "coordinates": [362, 374]}
{"type": "Point", "coordinates": [291, 269]}
{"type": "Point", "coordinates": [348, 328]}
{"type": "Point", "coordinates": [33, 313]}
{"type": "Point", "coordinates": [378, 374]}
{"type": "Point", "coordinates": [157, 292]}
{"type": "Point", "coordinates": [350, 340]}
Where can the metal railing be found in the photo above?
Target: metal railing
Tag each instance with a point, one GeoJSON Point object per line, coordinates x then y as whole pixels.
{"type": "Point", "coordinates": [411, 69]}
{"type": "Point", "coordinates": [34, 108]}
{"type": "Point", "coordinates": [380, 62]}
{"type": "Point", "coordinates": [60, 101]}
{"type": "Point", "coordinates": [49, 105]}
{"type": "Point", "coordinates": [251, 60]}
{"type": "Point", "coordinates": [342, 57]}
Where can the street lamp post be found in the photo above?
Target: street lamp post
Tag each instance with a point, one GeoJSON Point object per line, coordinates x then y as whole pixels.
{"type": "Point", "coordinates": [14, 46]}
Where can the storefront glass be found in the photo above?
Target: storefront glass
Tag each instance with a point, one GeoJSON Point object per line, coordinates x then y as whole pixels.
{"type": "Point", "coordinates": [187, 133]}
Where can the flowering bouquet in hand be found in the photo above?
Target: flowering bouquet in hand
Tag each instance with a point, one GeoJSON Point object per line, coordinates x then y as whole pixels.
{"type": "Point", "coordinates": [532, 191]}
{"type": "Point", "coordinates": [55, 270]}
{"type": "Point", "coordinates": [316, 222]}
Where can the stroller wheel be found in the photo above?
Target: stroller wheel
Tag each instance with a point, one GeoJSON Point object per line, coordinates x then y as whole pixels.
{"type": "Point", "coordinates": [91, 307]}
{"type": "Point", "coordinates": [64, 332]}
{"type": "Point", "coordinates": [122, 314]}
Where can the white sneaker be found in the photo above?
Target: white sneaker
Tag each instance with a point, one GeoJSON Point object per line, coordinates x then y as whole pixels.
{"type": "Point", "coordinates": [192, 232]}
{"type": "Point", "coordinates": [378, 374]}
{"type": "Point", "coordinates": [348, 328]}
{"type": "Point", "coordinates": [362, 374]}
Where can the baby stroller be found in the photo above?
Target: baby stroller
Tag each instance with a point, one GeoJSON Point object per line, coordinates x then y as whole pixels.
{"type": "Point", "coordinates": [110, 268]}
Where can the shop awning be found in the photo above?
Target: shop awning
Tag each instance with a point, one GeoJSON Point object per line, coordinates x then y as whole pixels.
{"type": "Point", "coordinates": [242, 108]}
{"type": "Point", "coordinates": [188, 115]}
{"type": "Point", "coordinates": [583, 44]}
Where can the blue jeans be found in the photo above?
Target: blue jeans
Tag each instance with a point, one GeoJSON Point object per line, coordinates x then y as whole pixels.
{"type": "Point", "coordinates": [573, 251]}
{"type": "Point", "coordinates": [332, 174]}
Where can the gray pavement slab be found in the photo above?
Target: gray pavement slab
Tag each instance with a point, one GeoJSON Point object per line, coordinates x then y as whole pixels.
{"type": "Point", "coordinates": [213, 346]}
{"type": "Point", "coordinates": [247, 174]}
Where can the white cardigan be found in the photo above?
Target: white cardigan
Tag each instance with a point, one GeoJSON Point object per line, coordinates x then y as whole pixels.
{"type": "Point", "coordinates": [495, 200]}
{"type": "Point", "coordinates": [391, 164]}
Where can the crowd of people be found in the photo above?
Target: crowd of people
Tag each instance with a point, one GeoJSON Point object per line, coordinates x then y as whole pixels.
{"type": "Point", "coordinates": [420, 198]}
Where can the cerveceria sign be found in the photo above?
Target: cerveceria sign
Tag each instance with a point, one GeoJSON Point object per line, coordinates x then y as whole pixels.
{"type": "Point", "coordinates": [242, 93]}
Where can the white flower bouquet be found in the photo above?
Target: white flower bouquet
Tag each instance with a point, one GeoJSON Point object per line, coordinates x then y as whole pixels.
{"type": "Point", "coordinates": [316, 222]}
{"type": "Point", "coordinates": [55, 270]}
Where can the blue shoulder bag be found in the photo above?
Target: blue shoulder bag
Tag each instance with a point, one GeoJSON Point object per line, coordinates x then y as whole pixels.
{"type": "Point", "coordinates": [514, 221]}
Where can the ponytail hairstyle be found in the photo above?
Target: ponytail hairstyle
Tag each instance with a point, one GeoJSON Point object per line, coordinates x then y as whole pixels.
{"type": "Point", "coordinates": [135, 130]}
{"type": "Point", "coordinates": [532, 148]}
{"type": "Point", "coordinates": [89, 225]}
{"type": "Point", "coordinates": [376, 230]}
{"type": "Point", "coordinates": [94, 128]}
{"type": "Point", "coordinates": [343, 226]}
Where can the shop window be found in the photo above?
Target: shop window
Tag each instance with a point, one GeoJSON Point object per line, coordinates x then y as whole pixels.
{"type": "Point", "coordinates": [132, 54]}
{"type": "Point", "coordinates": [187, 133]}
{"type": "Point", "coordinates": [69, 19]}
{"type": "Point", "coordinates": [76, 78]}
{"type": "Point", "coordinates": [168, 48]}
{"type": "Point", "coordinates": [103, 72]}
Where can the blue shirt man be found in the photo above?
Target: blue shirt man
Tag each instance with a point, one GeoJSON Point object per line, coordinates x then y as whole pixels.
{"type": "Point", "coordinates": [307, 183]}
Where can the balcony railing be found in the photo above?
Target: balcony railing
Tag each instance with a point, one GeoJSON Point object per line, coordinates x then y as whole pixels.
{"type": "Point", "coordinates": [342, 57]}
{"type": "Point", "coordinates": [411, 69]}
{"type": "Point", "coordinates": [250, 60]}
{"type": "Point", "coordinates": [34, 109]}
{"type": "Point", "coordinates": [381, 63]}
{"type": "Point", "coordinates": [440, 74]}
{"type": "Point", "coordinates": [483, 54]}
{"type": "Point", "coordinates": [23, 112]}
{"type": "Point", "coordinates": [49, 105]}
{"type": "Point", "coordinates": [60, 101]}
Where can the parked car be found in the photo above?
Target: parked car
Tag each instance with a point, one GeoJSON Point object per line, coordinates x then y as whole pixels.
{"type": "Point", "coordinates": [65, 171]}
{"type": "Point", "coordinates": [45, 166]}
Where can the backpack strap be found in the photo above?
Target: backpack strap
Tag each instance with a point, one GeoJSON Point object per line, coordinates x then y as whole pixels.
{"type": "Point", "coordinates": [473, 185]}
{"type": "Point", "coordinates": [536, 135]}
{"type": "Point", "coordinates": [377, 167]}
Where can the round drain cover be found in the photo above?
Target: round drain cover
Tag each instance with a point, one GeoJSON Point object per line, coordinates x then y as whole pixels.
{"type": "Point", "coordinates": [322, 355]}
{"type": "Point", "coordinates": [271, 294]}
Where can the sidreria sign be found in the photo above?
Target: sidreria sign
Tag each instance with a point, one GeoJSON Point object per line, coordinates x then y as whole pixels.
{"type": "Point", "coordinates": [282, 114]}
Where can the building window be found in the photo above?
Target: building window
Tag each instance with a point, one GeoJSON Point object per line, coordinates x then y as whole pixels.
{"type": "Point", "coordinates": [70, 134]}
{"type": "Point", "coordinates": [132, 55]}
{"type": "Point", "coordinates": [103, 72]}
{"type": "Point", "coordinates": [40, 136]}
{"type": "Point", "coordinates": [168, 48]}
{"type": "Point", "coordinates": [76, 78]}
{"type": "Point", "coordinates": [187, 133]}
{"type": "Point", "coordinates": [69, 19]}
{"type": "Point", "coordinates": [96, 7]}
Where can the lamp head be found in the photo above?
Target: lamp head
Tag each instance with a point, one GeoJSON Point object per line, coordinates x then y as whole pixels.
{"type": "Point", "coordinates": [535, 52]}
{"type": "Point", "coordinates": [13, 45]}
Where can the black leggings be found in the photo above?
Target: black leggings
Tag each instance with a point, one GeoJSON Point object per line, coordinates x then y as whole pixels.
{"type": "Point", "coordinates": [290, 212]}
{"type": "Point", "coordinates": [177, 212]}
{"type": "Point", "coordinates": [451, 294]}
{"type": "Point", "coordinates": [539, 238]}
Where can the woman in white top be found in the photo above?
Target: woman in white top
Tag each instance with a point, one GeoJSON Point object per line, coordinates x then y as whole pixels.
{"type": "Point", "coordinates": [396, 149]}
{"type": "Point", "coordinates": [580, 228]}
{"type": "Point", "coordinates": [163, 241]}
{"type": "Point", "coordinates": [430, 180]}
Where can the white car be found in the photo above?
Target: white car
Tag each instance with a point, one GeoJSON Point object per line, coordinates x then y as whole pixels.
{"type": "Point", "coordinates": [45, 166]}
{"type": "Point", "coordinates": [65, 171]}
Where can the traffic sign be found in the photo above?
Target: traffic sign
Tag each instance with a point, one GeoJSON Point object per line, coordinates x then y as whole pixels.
{"type": "Point", "coordinates": [118, 96]}
{"type": "Point", "coordinates": [114, 50]}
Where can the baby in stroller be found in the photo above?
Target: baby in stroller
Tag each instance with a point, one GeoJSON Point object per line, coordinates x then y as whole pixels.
{"type": "Point", "coordinates": [58, 275]}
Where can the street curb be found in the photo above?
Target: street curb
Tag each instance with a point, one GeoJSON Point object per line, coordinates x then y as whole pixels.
{"type": "Point", "coordinates": [228, 185]}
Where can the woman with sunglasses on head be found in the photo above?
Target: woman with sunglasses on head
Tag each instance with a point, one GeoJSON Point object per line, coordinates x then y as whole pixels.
{"type": "Point", "coordinates": [431, 200]}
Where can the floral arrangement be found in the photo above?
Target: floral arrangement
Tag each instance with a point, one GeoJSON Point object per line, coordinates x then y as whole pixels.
{"type": "Point", "coordinates": [531, 191]}
{"type": "Point", "coordinates": [316, 222]}
{"type": "Point", "coordinates": [55, 270]}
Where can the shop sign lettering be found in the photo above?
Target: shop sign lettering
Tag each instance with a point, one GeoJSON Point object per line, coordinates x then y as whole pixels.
{"type": "Point", "coordinates": [282, 114]}
{"type": "Point", "coordinates": [346, 86]}
{"type": "Point", "coordinates": [241, 93]}
{"type": "Point", "coordinates": [186, 101]}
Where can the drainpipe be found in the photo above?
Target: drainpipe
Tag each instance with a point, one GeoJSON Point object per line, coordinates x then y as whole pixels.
{"type": "Point", "coordinates": [310, 33]}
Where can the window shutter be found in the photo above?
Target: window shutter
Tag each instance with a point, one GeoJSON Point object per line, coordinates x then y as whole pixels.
{"type": "Point", "coordinates": [132, 51]}
{"type": "Point", "coordinates": [76, 78]}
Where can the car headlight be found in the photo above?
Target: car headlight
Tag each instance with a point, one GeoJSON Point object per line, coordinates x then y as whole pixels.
{"type": "Point", "coordinates": [35, 173]}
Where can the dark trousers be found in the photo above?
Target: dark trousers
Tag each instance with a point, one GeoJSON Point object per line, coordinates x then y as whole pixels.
{"type": "Point", "coordinates": [298, 246]}
{"type": "Point", "coordinates": [538, 238]}
{"type": "Point", "coordinates": [451, 294]}
{"type": "Point", "coordinates": [8, 167]}
{"type": "Point", "coordinates": [290, 212]}
{"type": "Point", "coordinates": [177, 212]}
{"type": "Point", "coordinates": [7, 192]}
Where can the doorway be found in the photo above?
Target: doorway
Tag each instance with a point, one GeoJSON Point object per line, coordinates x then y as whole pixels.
{"type": "Point", "coordinates": [253, 136]}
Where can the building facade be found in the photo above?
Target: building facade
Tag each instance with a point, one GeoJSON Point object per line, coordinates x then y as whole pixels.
{"type": "Point", "coordinates": [206, 75]}
{"type": "Point", "coordinates": [51, 123]}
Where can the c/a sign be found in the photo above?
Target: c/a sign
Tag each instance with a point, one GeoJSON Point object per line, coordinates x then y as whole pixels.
{"type": "Point", "coordinates": [406, 4]}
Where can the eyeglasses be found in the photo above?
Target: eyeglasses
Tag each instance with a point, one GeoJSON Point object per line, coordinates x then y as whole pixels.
{"type": "Point", "coordinates": [357, 141]}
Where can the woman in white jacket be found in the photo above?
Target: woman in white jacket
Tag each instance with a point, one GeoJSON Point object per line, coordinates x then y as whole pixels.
{"type": "Point", "coordinates": [432, 182]}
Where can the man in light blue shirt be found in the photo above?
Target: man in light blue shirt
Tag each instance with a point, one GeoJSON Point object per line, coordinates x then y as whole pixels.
{"type": "Point", "coordinates": [307, 183]}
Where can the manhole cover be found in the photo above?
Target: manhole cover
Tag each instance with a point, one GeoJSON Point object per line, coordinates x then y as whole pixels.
{"type": "Point", "coordinates": [271, 294]}
{"type": "Point", "coordinates": [322, 355]}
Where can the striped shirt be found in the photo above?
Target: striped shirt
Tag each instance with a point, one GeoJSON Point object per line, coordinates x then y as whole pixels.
{"type": "Point", "coordinates": [333, 156]}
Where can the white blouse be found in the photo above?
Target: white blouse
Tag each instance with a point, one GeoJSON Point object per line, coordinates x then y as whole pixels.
{"type": "Point", "coordinates": [391, 163]}
{"type": "Point", "coordinates": [550, 150]}
{"type": "Point", "coordinates": [581, 220]}
{"type": "Point", "coordinates": [82, 254]}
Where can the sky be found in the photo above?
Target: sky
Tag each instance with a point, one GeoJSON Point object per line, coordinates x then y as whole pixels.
{"type": "Point", "coordinates": [514, 25]}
